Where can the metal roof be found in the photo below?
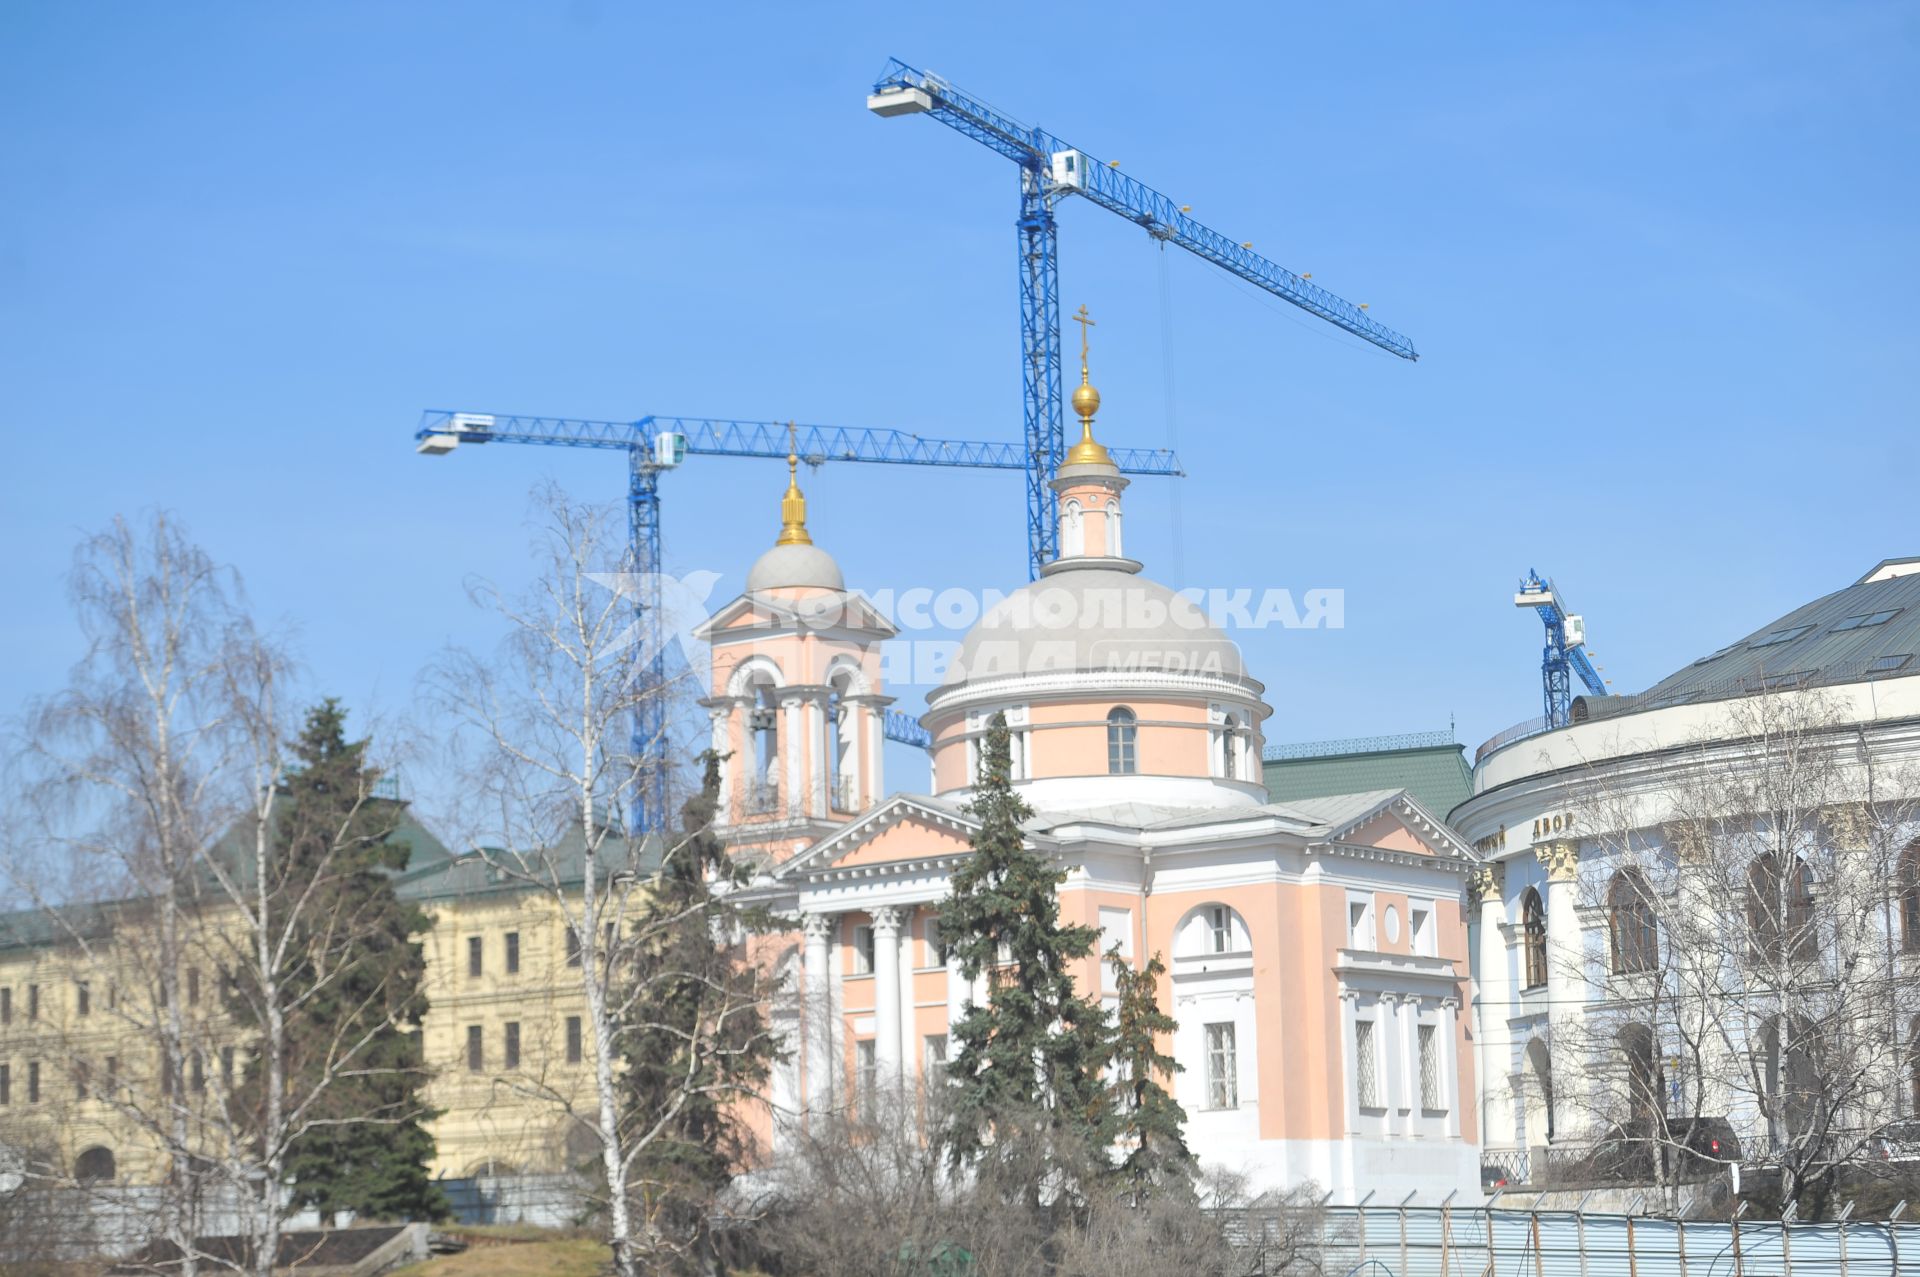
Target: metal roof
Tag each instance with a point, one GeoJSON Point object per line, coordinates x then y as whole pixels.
{"type": "Point", "coordinates": [1870, 629]}
{"type": "Point", "coordinates": [1429, 765]}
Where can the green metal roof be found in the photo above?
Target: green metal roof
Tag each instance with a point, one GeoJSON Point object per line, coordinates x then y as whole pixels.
{"type": "Point", "coordinates": [1431, 766]}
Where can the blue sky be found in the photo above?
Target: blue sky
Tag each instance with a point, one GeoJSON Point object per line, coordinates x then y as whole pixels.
{"type": "Point", "coordinates": [1659, 261]}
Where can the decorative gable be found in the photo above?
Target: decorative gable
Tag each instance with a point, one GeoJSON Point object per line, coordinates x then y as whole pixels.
{"type": "Point", "coordinates": [900, 831]}
{"type": "Point", "coordinates": [1400, 823]}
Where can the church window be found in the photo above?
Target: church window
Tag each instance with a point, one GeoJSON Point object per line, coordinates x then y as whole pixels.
{"type": "Point", "coordinates": [1430, 1068]}
{"type": "Point", "coordinates": [1230, 748]}
{"type": "Point", "coordinates": [1420, 929]}
{"type": "Point", "coordinates": [1366, 1065]}
{"type": "Point", "coordinates": [866, 1077]}
{"type": "Point", "coordinates": [1223, 1068]}
{"type": "Point", "coordinates": [1122, 727]}
{"type": "Point", "coordinates": [1360, 924]}
{"type": "Point", "coordinates": [1073, 537]}
{"type": "Point", "coordinates": [863, 950]}
{"type": "Point", "coordinates": [936, 1058]}
{"type": "Point", "coordinates": [1113, 529]}
{"type": "Point", "coordinates": [1533, 938]}
{"type": "Point", "coordinates": [1220, 928]}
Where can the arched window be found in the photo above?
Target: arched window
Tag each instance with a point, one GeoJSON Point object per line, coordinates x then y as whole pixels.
{"type": "Point", "coordinates": [1910, 899]}
{"type": "Point", "coordinates": [1230, 748]}
{"type": "Point", "coordinates": [1533, 937]}
{"type": "Point", "coordinates": [94, 1166]}
{"type": "Point", "coordinates": [1631, 927]}
{"type": "Point", "coordinates": [1780, 907]}
{"type": "Point", "coordinates": [1539, 1085]}
{"type": "Point", "coordinates": [1646, 1087]}
{"type": "Point", "coordinates": [1113, 528]}
{"type": "Point", "coordinates": [1073, 535]}
{"type": "Point", "coordinates": [1210, 931]}
{"type": "Point", "coordinates": [1122, 727]}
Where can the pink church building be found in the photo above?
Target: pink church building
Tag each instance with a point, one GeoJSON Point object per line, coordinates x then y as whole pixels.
{"type": "Point", "coordinates": [1316, 951]}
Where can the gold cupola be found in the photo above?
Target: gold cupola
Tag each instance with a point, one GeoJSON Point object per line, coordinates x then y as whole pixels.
{"type": "Point", "coordinates": [793, 505]}
{"type": "Point", "coordinates": [1086, 402]}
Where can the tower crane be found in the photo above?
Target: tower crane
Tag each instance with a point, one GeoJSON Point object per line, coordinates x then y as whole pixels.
{"type": "Point", "coordinates": [1051, 169]}
{"type": "Point", "coordinates": [655, 444]}
{"type": "Point", "coordinates": [1566, 651]}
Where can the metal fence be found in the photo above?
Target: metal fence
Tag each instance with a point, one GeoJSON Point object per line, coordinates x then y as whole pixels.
{"type": "Point", "coordinates": [1482, 1242]}
{"type": "Point", "coordinates": [548, 1201]}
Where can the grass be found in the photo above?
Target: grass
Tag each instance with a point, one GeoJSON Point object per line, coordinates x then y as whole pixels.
{"type": "Point", "coordinates": [532, 1252]}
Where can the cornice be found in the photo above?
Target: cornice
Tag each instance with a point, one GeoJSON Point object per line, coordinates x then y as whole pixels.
{"type": "Point", "coordinates": [1085, 684]}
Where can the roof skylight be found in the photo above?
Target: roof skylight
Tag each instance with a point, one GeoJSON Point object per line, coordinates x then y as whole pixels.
{"type": "Point", "coordinates": [1866, 620]}
{"type": "Point", "coordinates": [1780, 636]}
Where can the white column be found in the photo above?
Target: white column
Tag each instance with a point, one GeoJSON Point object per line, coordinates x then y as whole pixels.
{"type": "Point", "coordinates": [876, 741]}
{"type": "Point", "coordinates": [816, 716]}
{"type": "Point", "coordinates": [909, 1022]}
{"type": "Point", "coordinates": [818, 1010]}
{"type": "Point", "coordinates": [1349, 1044]}
{"type": "Point", "coordinates": [1566, 968]}
{"type": "Point", "coordinates": [886, 994]}
{"type": "Point", "coordinates": [1492, 1000]}
{"type": "Point", "coordinates": [719, 717]}
{"type": "Point", "coordinates": [792, 742]}
{"type": "Point", "coordinates": [1449, 1032]}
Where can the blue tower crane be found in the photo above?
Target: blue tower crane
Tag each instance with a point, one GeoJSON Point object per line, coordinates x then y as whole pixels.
{"type": "Point", "coordinates": [1565, 653]}
{"type": "Point", "coordinates": [1049, 170]}
{"type": "Point", "coordinates": [657, 443]}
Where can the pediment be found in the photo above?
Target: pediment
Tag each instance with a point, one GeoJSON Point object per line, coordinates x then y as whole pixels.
{"type": "Point", "coordinates": [1400, 823]}
{"type": "Point", "coordinates": [900, 830]}
{"type": "Point", "coordinates": [838, 614]}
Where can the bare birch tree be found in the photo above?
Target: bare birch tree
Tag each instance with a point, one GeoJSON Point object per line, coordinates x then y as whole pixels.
{"type": "Point", "coordinates": [128, 774]}
{"type": "Point", "coordinates": [156, 775]}
{"type": "Point", "coordinates": [544, 742]}
{"type": "Point", "coordinates": [1753, 1001]}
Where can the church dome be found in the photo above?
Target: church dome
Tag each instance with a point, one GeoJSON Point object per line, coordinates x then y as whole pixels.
{"type": "Point", "coordinates": [1105, 619]}
{"type": "Point", "coordinates": [795, 567]}
{"type": "Point", "coordinates": [794, 562]}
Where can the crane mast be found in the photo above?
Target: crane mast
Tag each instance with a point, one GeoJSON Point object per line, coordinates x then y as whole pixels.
{"type": "Point", "coordinates": [1565, 653]}
{"type": "Point", "coordinates": [1050, 169]}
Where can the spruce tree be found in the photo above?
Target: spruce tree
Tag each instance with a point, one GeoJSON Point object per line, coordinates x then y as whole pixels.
{"type": "Point", "coordinates": [357, 967]}
{"type": "Point", "coordinates": [1143, 1118]}
{"type": "Point", "coordinates": [1027, 1064]}
{"type": "Point", "coordinates": [698, 1041]}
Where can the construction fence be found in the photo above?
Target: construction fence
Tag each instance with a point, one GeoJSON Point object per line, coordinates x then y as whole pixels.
{"type": "Point", "coordinates": [1429, 1241]}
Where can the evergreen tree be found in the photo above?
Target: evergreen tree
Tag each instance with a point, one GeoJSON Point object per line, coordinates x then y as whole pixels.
{"type": "Point", "coordinates": [1143, 1118]}
{"type": "Point", "coordinates": [1027, 1064]}
{"type": "Point", "coordinates": [698, 1041]}
{"type": "Point", "coordinates": [356, 968]}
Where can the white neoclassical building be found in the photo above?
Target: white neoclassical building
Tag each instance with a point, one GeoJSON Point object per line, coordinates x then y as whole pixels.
{"type": "Point", "coordinates": [1765, 789]}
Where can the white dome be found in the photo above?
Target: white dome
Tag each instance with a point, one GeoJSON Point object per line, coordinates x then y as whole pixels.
{"type": "Point", "coordinates": [1102, 619]}
{"type": "Point", "coordinates": [795, 567]}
